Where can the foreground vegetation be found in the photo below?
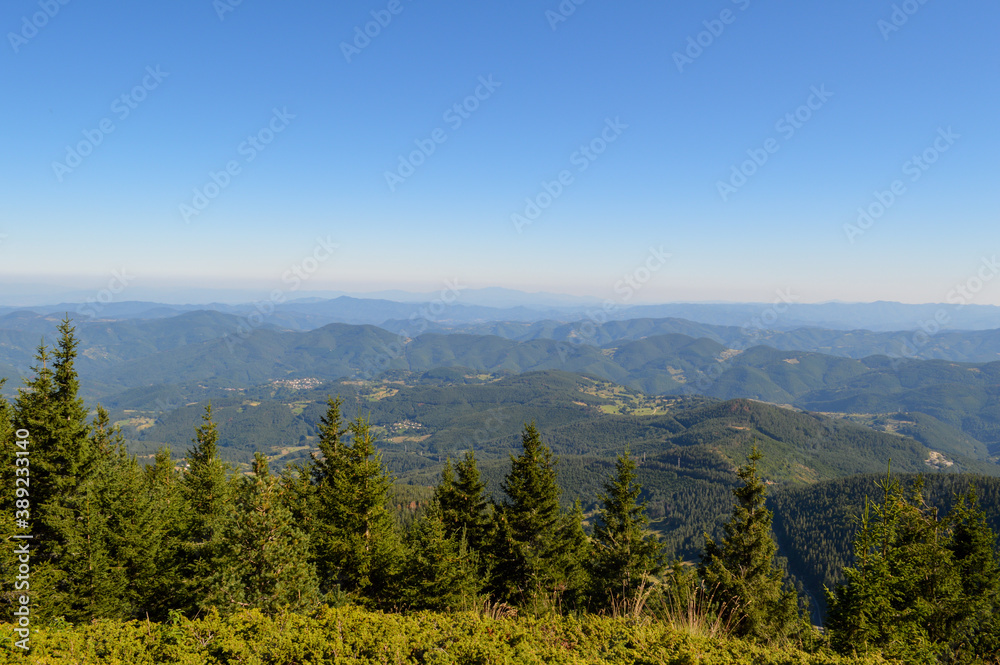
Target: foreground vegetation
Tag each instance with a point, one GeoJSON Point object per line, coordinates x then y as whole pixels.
{"type": "Point", "coordinates": [354, 635]}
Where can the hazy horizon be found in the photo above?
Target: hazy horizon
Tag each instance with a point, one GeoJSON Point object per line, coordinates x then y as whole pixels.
{"type": "Point", "coordinates": [51, 296]}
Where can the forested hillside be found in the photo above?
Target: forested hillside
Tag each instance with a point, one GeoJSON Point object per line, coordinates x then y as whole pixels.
{"type": "Point", "coordinates": [558, 493]}
{"type": "Point", "coordinates": [815, 525]}
{"type": "Point", "coordinates": [160, 364]}
{"type": "Point", "coordinates": [686, 448]}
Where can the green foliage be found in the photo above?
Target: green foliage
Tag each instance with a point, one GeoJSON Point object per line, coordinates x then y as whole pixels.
{"type": "Point", "coordinates": [113, 547]}
{"type": "Point", "coordinates": [625, 554]}
{"type": "Point", "coordinates": [973, 545]}
{"type": "Point", "coordinates": [816, 524]}
{"type": "Point", "coordinates": [922, 588]}
{"type": "Point", "coordinates": [353, 635]}
{"type": "Point", "coordinates": [322, 500]}
{"type": "Point", "coordinates": [122, 541]}
{"type": "Point", "coordinates": [260, 558]}
{"type": "Point", "coordinates": [49, 408]}
{"type": "Point", "coordinates": [464, 508]}
{"type": "Point", "coordinates": [205, 491]}
{"type": "Point", "coordinates": [99, 538]}
{"type": "Point", "coordinates": [355, 537]}
{"type": "Point", "coordinates": [85, 521]}
{"type": "Point", "coordinates": [741, 571]}
{"type": "Point", "coordinates": [574, 554]}
{"type": "Point", "coordinates": [163, 539]}
{"type": "Point", "coordinates": [538, 553]}
{"type": "Point", "coordinates": [441, 570]}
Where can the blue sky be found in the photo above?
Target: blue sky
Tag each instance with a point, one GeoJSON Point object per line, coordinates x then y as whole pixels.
{"type": "Point", "coordinates": [325, 114]}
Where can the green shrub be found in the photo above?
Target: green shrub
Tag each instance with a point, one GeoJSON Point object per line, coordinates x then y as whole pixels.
{"type": "Point", "coordinates": [354, 635]}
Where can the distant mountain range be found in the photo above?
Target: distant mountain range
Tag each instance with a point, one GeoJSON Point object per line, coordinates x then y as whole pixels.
{"type": "Point", "coordinates": [460, 306]}
{"type": "Point", "coordinates": [156, 363]}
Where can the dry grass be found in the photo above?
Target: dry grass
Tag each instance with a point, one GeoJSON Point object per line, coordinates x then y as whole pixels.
{"type": "Point", "coordinates": [495, 610]}
{"type": "Point", "coordinates": [690, 608]}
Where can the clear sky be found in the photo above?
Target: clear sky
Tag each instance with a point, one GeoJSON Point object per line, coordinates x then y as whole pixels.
{"type": "Point", "coordinates": [628, 124]}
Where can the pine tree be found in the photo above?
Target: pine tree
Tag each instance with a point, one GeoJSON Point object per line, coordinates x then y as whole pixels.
{"type": "Point", "coordinates": [535, 548]}
{"type": "Point", "coordinates": [921, 589]}
{"type": "Point", "coordinates": [261, 559]}
{"type": "Point", "coordinates": [625, 553]}
{"type": "Point", "coordinates": [49, 408]}
{"type": "Point", "coordinates": [464, 508]}
{"type": "Point", "coordinates": [446, 499]}
{"type": "Point", "coordinates": [900, 595]}
{"type": "Point", "coordinates": [112, 548]}
{"type": "Point", "coordinates": [973, 548]}
{"type": "Point", "coordinates": [205, 484]}
{"type": "Point", "coordinates": [163, 590]}
{"type": "Point", "coordinates": [205, 490]}
{"type": "Point", "coordinates": [358, 550]}
{"type": "Point", "coordinates": [321, 504]}
{"type": "Point", "coordinates": [441, 571]}
{"type": "Point", "coordinates": [90, 531]}
{"type": "Point", "coordinates": [573, 556]}
{"type": "Point", "coordinates": [741, 574]}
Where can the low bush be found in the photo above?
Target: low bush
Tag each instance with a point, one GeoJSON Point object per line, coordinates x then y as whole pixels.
{"type": "Point", "coordinates": [353, 635]}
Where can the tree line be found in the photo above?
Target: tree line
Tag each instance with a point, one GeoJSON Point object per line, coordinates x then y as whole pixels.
{"type": "Point", "coordinates": [116, 539]}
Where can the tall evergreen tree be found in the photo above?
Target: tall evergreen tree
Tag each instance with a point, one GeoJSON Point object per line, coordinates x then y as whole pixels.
{"type": "Point", "coordinates": [358, 550]}
{"type": "Point", "coordinates": [922, 589]}
{"type": "Point", "coordinates": [205, 490]}
{"type": "Point", "coordinates": [205, 484]}
{"type": "Point", "coordinates": [573, 556]}
{"type": "Point", "coordinates": [625, 553]}
{"type": "Point", "coordinates": [741, 574]}
{"type": "Point", "coordinates": [536, 556]}
{"type": "Point", "coordinates": [973, 546]}
{"type": "Point", "coordinates": [261, 557]}
{"type": "Point", "coordinates": [49, 408]}
{"type": "Point", "coordinates": [320, 502]}
{"type": "Point", "coordinates": [441, 570]}
{"type": "Point", "coordinates": [95, 540]}
{"type": "Point", "coordinates": [462, 499]}
{"type": "Point", "coordinates": [163, 590]}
